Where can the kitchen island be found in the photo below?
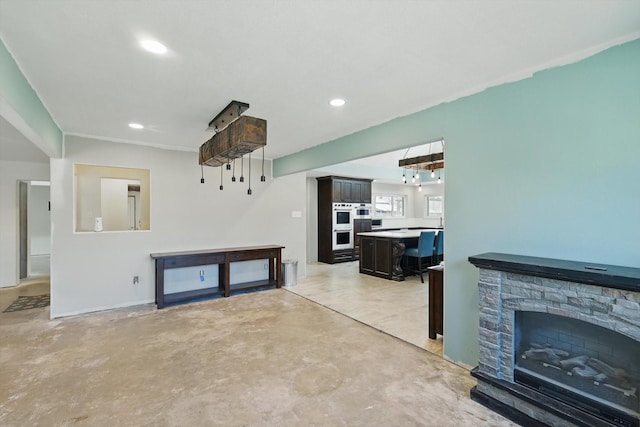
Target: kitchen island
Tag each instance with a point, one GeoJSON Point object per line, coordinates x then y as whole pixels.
{"type": "Point", "coordinates": [381, 252]}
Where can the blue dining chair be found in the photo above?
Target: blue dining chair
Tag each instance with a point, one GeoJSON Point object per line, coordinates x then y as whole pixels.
{"type": "Point", "coordinates": [439, 252]}
{"type": "Point", "coordinates": [425, 249]}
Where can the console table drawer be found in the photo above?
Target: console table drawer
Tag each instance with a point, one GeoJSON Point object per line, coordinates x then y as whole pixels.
{"type": "Point", "coordinates": [247, 256]}
{"type": "Point", "coordinates": [193, 260]}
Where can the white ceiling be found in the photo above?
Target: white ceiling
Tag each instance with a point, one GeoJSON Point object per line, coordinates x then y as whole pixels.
{"type": "Point", "coordinates": [287, 59]}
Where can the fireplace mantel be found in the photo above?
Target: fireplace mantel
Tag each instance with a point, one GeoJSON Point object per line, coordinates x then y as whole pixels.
{"type": "Point", "coordinates": [609, 276]}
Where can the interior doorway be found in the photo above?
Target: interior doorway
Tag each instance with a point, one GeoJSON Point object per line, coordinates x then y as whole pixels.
{"type": "Point", "coordinates": [34, 229]}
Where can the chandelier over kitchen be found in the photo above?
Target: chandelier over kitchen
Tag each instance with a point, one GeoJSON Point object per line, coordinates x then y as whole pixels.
{"type": "Point", "coordinates": [235, 135]}
{"type": "Point", "coordinates": [428, 162]}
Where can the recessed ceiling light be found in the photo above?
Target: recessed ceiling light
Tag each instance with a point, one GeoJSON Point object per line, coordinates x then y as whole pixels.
{"type": "Point", "coordinates": [153, 46]}
{"type": "Point", "coordinates": [337, 102]}
{"type": "Point", "coordinates": [136, 126]}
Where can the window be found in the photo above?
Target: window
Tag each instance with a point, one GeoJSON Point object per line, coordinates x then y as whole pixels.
{"type": "Point", "coordinates": [433, 206]}
{"type": "Point", "coordinates": [388, 206]}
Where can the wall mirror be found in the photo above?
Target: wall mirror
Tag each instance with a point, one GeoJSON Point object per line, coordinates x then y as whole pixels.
{"type": "Point", "coordinates": [111, 198]}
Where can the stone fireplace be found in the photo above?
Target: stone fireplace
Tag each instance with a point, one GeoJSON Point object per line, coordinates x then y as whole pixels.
{"type": "Point", "coordinates": [559, 341]}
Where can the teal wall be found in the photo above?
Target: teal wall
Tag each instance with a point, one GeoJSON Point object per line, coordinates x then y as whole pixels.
{"type": "Point", "coordinates": [18, 93]}
{"type": "Point", "coordinates": [546, 166]}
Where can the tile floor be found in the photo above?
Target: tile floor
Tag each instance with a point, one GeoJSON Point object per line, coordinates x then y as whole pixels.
{"type": "Point", "coordinates": [399, 309]}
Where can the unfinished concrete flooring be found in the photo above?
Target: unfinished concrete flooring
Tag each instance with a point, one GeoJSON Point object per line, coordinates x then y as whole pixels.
{"type": "Point", "coordinates": [268, 358]}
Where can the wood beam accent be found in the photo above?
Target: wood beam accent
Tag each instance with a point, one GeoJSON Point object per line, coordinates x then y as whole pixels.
{"type": "Point", "coordinates": [241, 137]}
{"type": "Point", "coordinates": [429, 166]}
{"type": "Point", "coordinates": [416, 161]}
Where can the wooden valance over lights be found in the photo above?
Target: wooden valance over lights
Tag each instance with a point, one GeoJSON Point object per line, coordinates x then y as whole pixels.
{"type": "Point", "coordinates": [429, 162]}
{"type": "Point", "coordinates": [235, 136]}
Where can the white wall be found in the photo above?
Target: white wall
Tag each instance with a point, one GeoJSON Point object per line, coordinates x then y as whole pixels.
{"type": "Point", "coordinates": [10, 174]}
{"type": "Point", "coordinates": [39, 220]}
{"type": "Point", "coordinates": [94, 271]}
{"type": "Point", "coordinates": [415, 203]}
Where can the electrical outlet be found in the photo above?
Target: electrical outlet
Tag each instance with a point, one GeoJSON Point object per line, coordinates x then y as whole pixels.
{"type": "Point", "coordinates": [136, 280]}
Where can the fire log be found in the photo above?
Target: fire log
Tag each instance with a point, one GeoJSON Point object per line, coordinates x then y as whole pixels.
{"type": "Point", "coordinates": [619, 375]}
{"type": "Point", "coordinates": [578, 361]}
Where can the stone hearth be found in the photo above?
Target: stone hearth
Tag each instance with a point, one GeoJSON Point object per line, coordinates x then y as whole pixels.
{"type": "Point", "coordinates": [600, 297]}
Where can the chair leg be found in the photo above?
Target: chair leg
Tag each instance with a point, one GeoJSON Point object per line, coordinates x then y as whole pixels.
{"type": "Point", "coordinates": [420, 269]}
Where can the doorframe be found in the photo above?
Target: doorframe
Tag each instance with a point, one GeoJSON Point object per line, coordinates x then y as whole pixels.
{"type": "Point", "coordinates": [23, 221]}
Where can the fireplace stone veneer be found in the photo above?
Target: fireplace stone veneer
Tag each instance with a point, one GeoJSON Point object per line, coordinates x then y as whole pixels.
{"type": "Point", "coordinates": [602, 295]}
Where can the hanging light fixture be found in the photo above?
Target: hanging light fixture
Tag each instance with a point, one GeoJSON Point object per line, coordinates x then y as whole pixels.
{"type": "Point", "coordinates": [439, 180]}
{"type": "Point", "coordinates": [262, 177]}
{"type": "Point", "coordinates": [419, 182]}
{"type": "Point", "coordinates": [234, 136]}
{"type": "Point", "coordinates": [430, 162]}
{"type": "Point", "coordinates": [202, 174]}
{"type": "Point", "coordinates": [249, 189]}
{"type": "Point", "coordinates": [404, 177]}
{"type": "Point", "coordinates": [233, 173]}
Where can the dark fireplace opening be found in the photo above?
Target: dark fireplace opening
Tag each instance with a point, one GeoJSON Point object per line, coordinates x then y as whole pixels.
{"type": "Point", "coordinates": [587, 366]}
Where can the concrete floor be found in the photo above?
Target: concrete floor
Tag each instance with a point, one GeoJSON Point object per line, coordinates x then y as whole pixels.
{"type": "Point", "coordinates": [264, 358]}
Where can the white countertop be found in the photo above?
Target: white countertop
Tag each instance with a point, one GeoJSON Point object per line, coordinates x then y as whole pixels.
{"type": "Point", "coordinates": [398, 234]}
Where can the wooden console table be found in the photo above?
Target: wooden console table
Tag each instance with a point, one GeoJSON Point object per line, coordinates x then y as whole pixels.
{"type": "Point", "coordinates": [223, 257]}
{"type": "Point", "coordinates": [436, 274]}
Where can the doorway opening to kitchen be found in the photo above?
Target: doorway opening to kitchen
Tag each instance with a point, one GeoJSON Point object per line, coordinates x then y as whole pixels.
{"type": "Point", "coordinates": [401, 199]}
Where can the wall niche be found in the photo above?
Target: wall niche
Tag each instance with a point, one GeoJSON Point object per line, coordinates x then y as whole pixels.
{"type": "Point", "coordinates": [109, 198]}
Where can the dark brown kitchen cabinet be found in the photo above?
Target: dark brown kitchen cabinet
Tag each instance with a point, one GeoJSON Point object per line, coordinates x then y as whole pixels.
{"type": "Point", "coordinates": [361, 192]}
{"type": "Point", "coordinates": [342, 191]}
{"type": "Point", "coordinates": [359, 226]}
{"type": "Point", "coordinates": [436, 275]}
{"type": "Point", "coordinates": [367, 253]}
{"type": "Point", "coordinates": [349, 190]}
{"type": "Point", "coordinates": [336, 189]}
{"type": "Point", "coordinates": [376, 257]}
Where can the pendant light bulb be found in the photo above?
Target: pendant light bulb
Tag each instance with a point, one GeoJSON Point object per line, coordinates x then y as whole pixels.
{"type": "Point", "coordinates": [420, 187]}
{"type": "Point", "coordinates": [233, 174]}
{"type": "Point", "coordinates": [202, 174]}
{"type": "Point", "coordinates": [242, 169]}
{"type": "Point", "coordinates": [404, 176]}
{"type": "Point", "coordinates": [249, 189]}
{"type": "Point", "coordinates": [262, 177]}
{"type": "Point", "coordinates": [221, 186]}
{"type": "Point", "coordinates": [433, 173]}
{"type": "Point", "coordinates": [439, 180]}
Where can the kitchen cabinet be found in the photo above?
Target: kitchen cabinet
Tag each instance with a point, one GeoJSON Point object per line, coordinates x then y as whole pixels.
{"type": "Point", "coordinates": [359, 226]}
{"type": "Point", "coordinates": [336, 189]}
{"type": "Point", "coordinates": [381, 252]}
{"type": "Point", "coordinates": [436, 294]}
{"type": "Point", "coordinates": [345, 190]}
{"type": "Point", "coordinates": [361, 192]}
{"type": "Point", "coordinates": [376, 257]}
